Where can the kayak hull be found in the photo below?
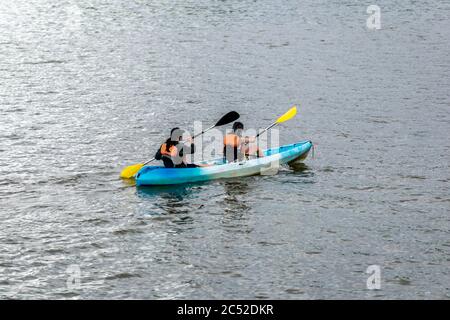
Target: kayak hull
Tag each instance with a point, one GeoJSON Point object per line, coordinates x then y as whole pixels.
{"type": "Point", "coordinates": [157, 175]}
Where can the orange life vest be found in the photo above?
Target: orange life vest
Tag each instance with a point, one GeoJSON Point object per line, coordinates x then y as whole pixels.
{"type": "Point", "coordinates": [171, 153]}
{"type": "Point", "coordinates": [232, 140]}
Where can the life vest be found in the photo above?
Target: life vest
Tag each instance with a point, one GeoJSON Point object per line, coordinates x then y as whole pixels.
{"type": "Point", "coordinates": [172, 152]}
{"type": "Point", "coordinates": [232, 140]}
{"type": "Point", "coordinates": [231, 147]}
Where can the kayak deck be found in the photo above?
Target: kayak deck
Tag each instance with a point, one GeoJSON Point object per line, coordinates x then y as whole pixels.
{"type": "Point", "coordinates": [158, 175]}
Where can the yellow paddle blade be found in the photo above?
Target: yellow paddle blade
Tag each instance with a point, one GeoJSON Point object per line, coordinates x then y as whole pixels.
{"type": "Point", "coordinates": [130, 171]}
{"type": "Point", "coordinates": [288, 115]}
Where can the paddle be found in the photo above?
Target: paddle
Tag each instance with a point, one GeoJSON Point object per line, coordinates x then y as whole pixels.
{"type": "Point", "coordinates": [130, 171]}
{"type": "Point", "coordinates": [285, 117]}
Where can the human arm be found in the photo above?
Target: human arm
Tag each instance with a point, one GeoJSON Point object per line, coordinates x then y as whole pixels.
{"type": "Point", "coordinates": [249, 139]}
{"type": "Point", "coordinates": [158, 155]}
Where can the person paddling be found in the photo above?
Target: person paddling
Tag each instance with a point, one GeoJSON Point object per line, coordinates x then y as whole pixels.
{"type": "Point", "coordinates": [173, 152]}
{"type": "Point", "coordinates": [235, 147]}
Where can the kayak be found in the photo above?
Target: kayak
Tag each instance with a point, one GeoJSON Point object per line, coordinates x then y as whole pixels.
{"type": "Point", "coordinates": [219, 169]}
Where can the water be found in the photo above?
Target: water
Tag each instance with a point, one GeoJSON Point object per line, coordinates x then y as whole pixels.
{"type": "Point", "coordinates": [88, 87]}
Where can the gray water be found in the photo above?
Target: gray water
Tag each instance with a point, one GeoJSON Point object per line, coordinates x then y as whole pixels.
{"type": "Point", "coordinates": [89, 87]}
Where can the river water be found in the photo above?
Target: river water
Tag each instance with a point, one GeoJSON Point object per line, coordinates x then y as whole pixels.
{"type": "Point", "coordinates": [88, 87]}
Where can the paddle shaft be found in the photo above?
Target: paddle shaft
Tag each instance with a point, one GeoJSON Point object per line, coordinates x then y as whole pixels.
{"type": "Point", "coordinates": [199, 134]}
{"type": "Point", "coordinates": [152, 159]}
{"type": "Point", "coordinates": [285, 117]}
{"type": "Point", "coordinates": [272, 125]}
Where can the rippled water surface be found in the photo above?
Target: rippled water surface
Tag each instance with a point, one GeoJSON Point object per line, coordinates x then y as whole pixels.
{"type": "Point", "coordinates": [88, 87]}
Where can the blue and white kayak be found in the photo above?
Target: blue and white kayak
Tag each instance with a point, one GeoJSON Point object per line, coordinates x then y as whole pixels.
{"type": "Point", "coordinates": [219, 169]}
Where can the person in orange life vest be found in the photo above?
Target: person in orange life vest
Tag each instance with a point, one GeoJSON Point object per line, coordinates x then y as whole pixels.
{"type": "Point", "coordinates": [235, 147]}
{"type": "Point", "coordinates": [172, 152]}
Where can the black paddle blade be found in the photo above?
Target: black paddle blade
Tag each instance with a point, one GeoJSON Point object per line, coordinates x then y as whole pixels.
{"type": "Point", "coordinates": [228, 118]}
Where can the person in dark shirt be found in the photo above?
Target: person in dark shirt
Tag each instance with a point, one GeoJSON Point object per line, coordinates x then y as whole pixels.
{"type": "Point", "coordinates": [173, 151]}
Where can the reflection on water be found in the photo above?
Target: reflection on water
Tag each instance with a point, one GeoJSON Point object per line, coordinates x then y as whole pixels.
{"type": "Point", "coordinates": [236, 208]}
{"type": "Point", "coordinates": [171, 200]}
{"type": "Point", "coordinates": [129, 182]}
{"type": "Point", "coordinates": [234, 190]}
{"type": "Point", "coordinates": [172, 192]}
{"type": "Point", "coordinates": [236, 187]}
{"type": "Point", "coordinates": [301, 168]}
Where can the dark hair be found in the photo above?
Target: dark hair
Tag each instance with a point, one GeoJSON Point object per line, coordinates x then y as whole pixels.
{"type": "Point", "coordinates": [238, 125]}
{"type": "Point", "coordinates": [175, 134]}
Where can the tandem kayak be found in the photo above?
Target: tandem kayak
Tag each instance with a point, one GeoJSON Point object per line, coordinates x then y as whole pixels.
{"type": "Point", "coordinates": [219, 169]}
